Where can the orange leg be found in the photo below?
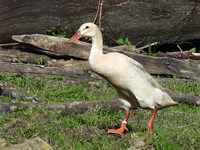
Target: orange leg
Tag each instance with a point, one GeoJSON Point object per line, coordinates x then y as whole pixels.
{"type": "Point", "coordinates": [151, 121]}
{"type": "Point", "coordinates": [123, 127]}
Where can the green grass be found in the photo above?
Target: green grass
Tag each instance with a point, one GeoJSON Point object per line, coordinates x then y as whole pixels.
{"type": "Point", "coordinates": [174, 128]}
{"type": "Point", "coordinates": [54, 89]}
{"type": "Point", "coordinates": [186, 87]}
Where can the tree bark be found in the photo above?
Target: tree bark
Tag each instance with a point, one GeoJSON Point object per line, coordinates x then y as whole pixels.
{"type": "Point", "coordinates": [180, 55]}
{"type": "Point", "coordinates": [72, 70]}
{"type": "Point", "coordinates": [165, 65]}
{"type": "Point", "coordinates": [182, 97]}
{"type": "Point", "coordinates": [18, 56]}
{"type": "Point", "coordinates": [62, 107]}
{"type": "Point", "coordinates": [139, 20]}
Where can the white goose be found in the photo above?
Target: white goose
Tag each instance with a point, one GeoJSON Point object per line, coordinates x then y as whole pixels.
{"type": "Point", "coordinates": [134, 85]}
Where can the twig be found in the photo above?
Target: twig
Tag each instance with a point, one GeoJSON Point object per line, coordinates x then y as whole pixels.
{"type": "Point", "coordinates": [152, 44]}
{"type": "Point", "coordinates": [141, 41]}
{"type": "Point", "coordinates": [100, 13]}
{"type": "Point", "coordinates": [97, 13]}
{"type": "Point", "coordinates": [9, 44]}
{"type": "Point", "coordinates": [179, 48]}
{"type": "Point", "coordinates": [196, 54]}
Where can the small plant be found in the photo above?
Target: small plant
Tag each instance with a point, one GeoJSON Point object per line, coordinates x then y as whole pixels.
{"type": "Point", "coordinates": [40, 60]}
{"type": "Point", "coordinates": [151, 51]}
{"type": "Point", "coordinates": [193, 50]}
{"type": "Point", "coordinates": [58, 30]}
{"type": "Point", "coordinates": [125, 41]}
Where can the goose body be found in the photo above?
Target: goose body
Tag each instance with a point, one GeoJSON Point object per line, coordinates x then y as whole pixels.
{"type": "Point", "coordinates": [131, 81]}
{"type": "Point", "coordinates": [134, 85]}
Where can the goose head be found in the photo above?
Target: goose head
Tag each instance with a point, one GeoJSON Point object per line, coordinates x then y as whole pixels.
{"type": "Point", "coordinates": [85, 30]}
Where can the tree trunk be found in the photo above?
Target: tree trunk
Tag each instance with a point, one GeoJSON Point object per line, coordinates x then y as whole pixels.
{"type": "Point", "coordinates": [139, 20]}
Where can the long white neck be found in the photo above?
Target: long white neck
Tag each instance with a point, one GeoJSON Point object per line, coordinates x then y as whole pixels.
{"type": "Point", "coordinates": [97, 47]}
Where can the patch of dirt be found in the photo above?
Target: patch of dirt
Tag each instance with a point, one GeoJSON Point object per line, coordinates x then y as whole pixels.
{"type": "Point", "coordinates": [139, 143]}
{"type": "Point", "coordinates": [83, 133]}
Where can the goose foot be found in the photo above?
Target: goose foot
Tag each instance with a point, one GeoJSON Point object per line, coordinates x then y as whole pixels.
{"type": "Point", "coordinates": [119, 131]}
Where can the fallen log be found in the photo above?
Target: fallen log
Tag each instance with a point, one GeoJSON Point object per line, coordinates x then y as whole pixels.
{"type": "Point", "coordinates": [180, 55]}
{"type": "Point", "coordinates": [46, 59]}
{"type": "Point", "coordinates": [182, 97]}
{"type": "Point", "coordinates": [77, 106]}
{"type": "Point", "coordinates": [83, 106]}
{"type": "Point", "coordinates": [18, 56]}
{"type": "Point", "coordinates": [165, 65]}
{"type": "Point", "coordinates": [69, 69]}
{"type": "Point", "coordinates": [54, 45]}
{"type": "Point", "coordinates": [15, 93]}
{"type": "Point", "coordinates": [62, 107]}
{"type": "Point", "coordinates": [175, 80]}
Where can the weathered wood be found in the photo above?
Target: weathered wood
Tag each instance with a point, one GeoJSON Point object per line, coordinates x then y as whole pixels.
{"type": "Point", "coordinates": [83, 106]}
{"type": "Point", "coordinates": [77, 106]}
{"type": "Point", "coordinates": [18, 56]}
{"type": "Point", "coordinates": [165, 65]}
{"type": "Point", "coordinates": [45, 58]}
{"type": "Point", "coordinates": [62, 107]}
{"type": "Point", "coordinates": [169, 66]}
{"type": "Point", "coordinates": [139, 20]}
{"type": "Point", "coordinates": [182, 97]}
{"type": "Point", "coordinates": [55, 45]}
{"type": "Point", "coordinates": [74, 70]}
{"type": "Point", "coordinates": [175, 80]}
{"type": "Point", "coordinates": [14, 93]}
{"type": "Point", "coordinates": [179, 55]}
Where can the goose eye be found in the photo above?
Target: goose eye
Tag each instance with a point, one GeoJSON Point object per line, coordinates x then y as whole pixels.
{"type": "Point", "coordinates": [86, 27]}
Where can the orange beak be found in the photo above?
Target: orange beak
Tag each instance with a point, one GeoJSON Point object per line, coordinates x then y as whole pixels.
{"type": "Point", "coordinates": [75, 37]}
